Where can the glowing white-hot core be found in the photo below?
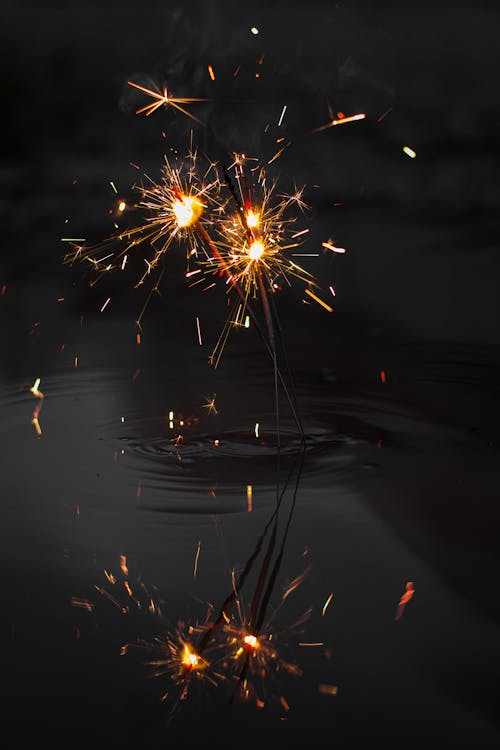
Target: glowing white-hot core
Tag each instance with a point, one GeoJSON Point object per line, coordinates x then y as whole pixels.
{"type": "Point", "coordinates": [256, 250]}
{"type": "Point", "coordinates": [187, 210]}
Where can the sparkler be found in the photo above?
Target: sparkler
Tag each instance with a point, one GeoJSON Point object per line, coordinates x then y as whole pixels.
{"type": "Point", "coordinates": [244, 239]}
{"type": "Point", "coordinates": [173, 208]}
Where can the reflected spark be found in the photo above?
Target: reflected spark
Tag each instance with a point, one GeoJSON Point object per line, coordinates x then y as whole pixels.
{"type": "Point", "coordinates": [210, 406]}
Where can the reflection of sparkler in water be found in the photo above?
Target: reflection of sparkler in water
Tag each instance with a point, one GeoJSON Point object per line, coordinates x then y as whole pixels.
{"type": "Point", "coordinates": [241, 643]}
{"type": "Point", "coordinates": [249, 638]}
{"type": "Point", "coordinates": [36, 411]}
{"type": "Point", "coordinates": [174, 657]}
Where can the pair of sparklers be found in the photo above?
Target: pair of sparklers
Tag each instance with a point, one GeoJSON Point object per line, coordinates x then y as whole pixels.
{"type": "Point", "coordinates": [235, 228]}
{"type": "Point", "coordinates": [238, 231]}
{"type": "Point", "coordinates": [239, 646]}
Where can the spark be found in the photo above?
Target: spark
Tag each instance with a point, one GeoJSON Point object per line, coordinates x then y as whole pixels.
{"type": "Point", "coordinates": [172, 209]}
{"type": "Point", "coordinates": [319, 301]}
{"type": "Point", "coordinates": [332, 290]}
{"type": "Point", "coordinates": [163, 98]}
{"type": "Point", "coordinates": [295, 584]}
{"type": "Point", "coordinates": [254, 30]}
{"type": "Point", "coordinates": [210, 405]}
{"type": "Point", "coordinates": [113, 186]}
{"type": "Point", "coordinates": [196, 559]}
{"type": "Point", "coordinates": [384, 114]}
{"type": "Point", "coordinates": [199, 330]}
{"type": "Point", "coordinates": [382, 376]}
{"type": "Point", "coordinates": [340, 121]}
{"type": "Point", "coordinates": [328, 245]}
{"type": "Point", "coordinates": [299, 234]}
{"type": "Point", "coordinates": [211, 72]}
{"type": "Point", "coordinates": [328, 689]}
{"type": "Point", "coordinates": [409, 591]}
{"type": "Point", "coordinates": [278, 153]}
{"type": "Point", "coordinates": [122, 206]}
{"type": "Point", "coordinates": [123, 565]}
{"type": "Point", "coordinates": [409, 152]}
{"type": "Point", "coordinates": [325, 606]}
{"type": "Point", "coordinates": [256, 429]}
{"type": "Point", "coordinates": [282, 116]}
{"type": "Point", "coordinates": [82, 603]}
{"type": "Point", "coordinates": [35, 389]}
{"type": "Point", "coordinates": [105, 304]}
{"type": "Point", "coordinates": [249, 498]}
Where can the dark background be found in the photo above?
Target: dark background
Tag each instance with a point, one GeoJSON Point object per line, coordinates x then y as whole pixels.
{"type": "Point", "coordinates": [421, 233]}
{"type": "Point", "coordinates": [417, 291]}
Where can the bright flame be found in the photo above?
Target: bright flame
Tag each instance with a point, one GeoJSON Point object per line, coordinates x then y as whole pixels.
{"type": "Point", "coordinates": [187, 210]}
{"type": "Point", "coordinates": [250, 641]}
{"type": "Point", "coordinates": [253, 219]}
{"type": "Point", "coordinates": [256, 250]}
{"type": "Point", "coordinates": [190, 659]}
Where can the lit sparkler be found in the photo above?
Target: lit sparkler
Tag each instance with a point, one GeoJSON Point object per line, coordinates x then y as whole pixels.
{"type": "Point", "coordinates": [173, 208]}
{"type": "Point", "coordinates": [251, 244]}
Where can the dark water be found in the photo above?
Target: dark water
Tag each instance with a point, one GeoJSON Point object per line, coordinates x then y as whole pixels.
{"type": "Point", "coordinates": [399, 480]}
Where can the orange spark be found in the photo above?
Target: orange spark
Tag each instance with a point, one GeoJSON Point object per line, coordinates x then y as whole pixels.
{"type": "Point", "coordinates": [82, 603]}
{"type": "Point", "coordinates": [326, 604]}
{"type": "Point", "coordinates": [211, 72]}
{"type": "Point", "coordinates": [328, 689]}
{"type": "Point", "coordinates": [340, 121]}
{"type": "Point", "coordinates": [34, 389]}
{"type": "Point", "coordinates": [123, 565]}
{"type": "Point", "coordinates": [210, 405]}
{"type": "Point", "coordinates": [333, 248]}
{"type": "Point", "coordinates": [410, 590]}
{"type": "Point", "coordinates": [319, 301]}
{"type": "Point", "coordinates": [164, 99]}
{"type": "Point", "coordinates": [196, 559]}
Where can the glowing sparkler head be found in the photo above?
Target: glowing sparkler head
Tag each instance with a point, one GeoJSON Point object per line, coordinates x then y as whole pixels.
{"type": "Point", "coordinates": [252, 219]}
{"type": "Point", "coordinates": [256, 250]}
{"type": "Point", "coordinates": [191, 660]}
{"type": "Point", "coordinates": [187, 209]}
{"type": "Point", "coordinates": [250, 642]}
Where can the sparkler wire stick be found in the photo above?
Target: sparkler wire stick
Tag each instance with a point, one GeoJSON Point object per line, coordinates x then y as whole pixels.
{"type": "Point", "coordinates": [270, 345]}
{"type": "Point", "coordinates": [239, 583]}
{"type": "Point", "coordinates": [257, 613]}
